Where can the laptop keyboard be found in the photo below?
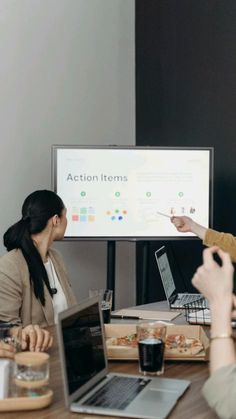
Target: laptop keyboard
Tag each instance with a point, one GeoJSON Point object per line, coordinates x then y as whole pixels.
{"type": "Point", "coordinates": [117, 393]}
{"type": "Point", "coordinates": [187, 299]}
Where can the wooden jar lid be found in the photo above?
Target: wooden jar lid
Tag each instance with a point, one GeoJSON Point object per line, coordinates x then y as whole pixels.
{"type": "Point", "coordinates": [31, 358]}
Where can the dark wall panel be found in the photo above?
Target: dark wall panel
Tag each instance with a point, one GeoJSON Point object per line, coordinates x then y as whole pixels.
{"type": "Point", "coordinates": [186, 96]}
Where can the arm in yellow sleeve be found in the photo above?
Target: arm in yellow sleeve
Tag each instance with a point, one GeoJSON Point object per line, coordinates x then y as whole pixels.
{"type": "Point", "coordinates": [225, 241]}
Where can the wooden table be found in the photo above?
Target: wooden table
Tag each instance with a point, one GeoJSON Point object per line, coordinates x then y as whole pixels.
{"type": "Point", "coordinates": [191, 405]}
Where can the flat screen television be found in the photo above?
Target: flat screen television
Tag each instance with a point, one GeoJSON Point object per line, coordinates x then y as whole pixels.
{"type": "Point", "coordinates": [129, 193]}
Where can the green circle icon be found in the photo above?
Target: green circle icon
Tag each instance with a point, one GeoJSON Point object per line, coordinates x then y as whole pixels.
{"type": "Point", "coordinates": [148, 194]}
{"type": "Point", "coordinates": [117, 194]}
{"type": "Point", "coordinates": [83, 193]}
{"type": "Point", "coordinates": [181, 194]}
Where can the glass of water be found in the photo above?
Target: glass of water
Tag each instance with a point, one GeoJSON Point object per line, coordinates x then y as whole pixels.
{"type": "Point", "coordinates": [31, 370]}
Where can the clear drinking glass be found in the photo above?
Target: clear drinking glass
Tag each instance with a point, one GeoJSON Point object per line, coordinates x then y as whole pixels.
{"type": "Point", "coordinates": [151, 347]}
{"type": "Point", "coordinates": [31, 373]}
{"type": "Point", "coordinates": [106, 302]}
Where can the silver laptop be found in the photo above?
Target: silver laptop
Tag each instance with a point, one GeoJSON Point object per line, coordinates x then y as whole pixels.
{"type": "Point", "coordinates": [174, 299]}
{"type": "Point", "coordinates": [89, 388]}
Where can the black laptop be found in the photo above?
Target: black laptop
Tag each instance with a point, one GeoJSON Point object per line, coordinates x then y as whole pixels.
{"type": "Point", "coordinates": [175, 299]}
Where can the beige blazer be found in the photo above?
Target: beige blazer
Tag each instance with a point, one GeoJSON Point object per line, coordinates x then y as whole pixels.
{"type": "Point", "coordinates": [17, 300]}
{"type": "Point", "coordinates": [219, 391]}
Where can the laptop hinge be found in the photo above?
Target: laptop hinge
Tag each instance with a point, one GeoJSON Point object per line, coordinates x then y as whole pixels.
{"type": "Point", "coordinates": [173, 298]}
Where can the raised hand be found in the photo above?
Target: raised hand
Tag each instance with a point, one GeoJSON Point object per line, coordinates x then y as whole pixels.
{"type": "Point", "coordinates": [183, 224]}
{"type": "Point", "coordinates": [215, 282]}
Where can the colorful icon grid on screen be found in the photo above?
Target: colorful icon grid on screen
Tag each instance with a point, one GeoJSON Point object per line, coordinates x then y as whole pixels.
{"type": "Point", "coordinates": [83, 214]}
{"type": "Point", "coordinates": [116, 215]}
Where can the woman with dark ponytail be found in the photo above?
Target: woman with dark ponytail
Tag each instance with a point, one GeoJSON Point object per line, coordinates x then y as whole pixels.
{"type": "Point", "coordinates": [34, 285]}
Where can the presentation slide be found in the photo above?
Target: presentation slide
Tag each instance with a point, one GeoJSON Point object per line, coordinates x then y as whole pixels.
{"type": "Point", "coordinates": [132, 192]}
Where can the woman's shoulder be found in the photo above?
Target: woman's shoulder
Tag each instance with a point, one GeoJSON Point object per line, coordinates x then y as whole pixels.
{"type": "Point", "coordinates": [14, 255]}
{"type": "Point", "coordinates": [56, 257]}
{"type": "Point", "coordinates": [54, 252]}
{"type": "Point", "coordinates": [12, 261]}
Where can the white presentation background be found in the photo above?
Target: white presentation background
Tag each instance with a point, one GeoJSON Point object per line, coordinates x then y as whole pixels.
{"type": "Point", "coordinates": [118, 192]}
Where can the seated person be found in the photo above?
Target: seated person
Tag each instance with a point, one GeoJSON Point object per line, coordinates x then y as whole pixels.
{"type": "Point", "coordinates": [33, 280]}
{"type": "Point", "coordinates": [225, 241]}
{"type": "Point", "coordinates": [215, 282]}
{"type": "Point", "coordinates": [33, 339]}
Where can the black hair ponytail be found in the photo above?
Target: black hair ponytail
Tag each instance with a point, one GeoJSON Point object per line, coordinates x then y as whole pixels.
{"type": "Point", "coordinates": [13, 237]}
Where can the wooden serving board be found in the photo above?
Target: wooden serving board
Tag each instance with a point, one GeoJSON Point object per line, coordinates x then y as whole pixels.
{"type": "Point", "coordinates": [26, 403]}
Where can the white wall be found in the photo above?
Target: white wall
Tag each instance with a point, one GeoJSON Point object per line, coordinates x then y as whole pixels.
{"type": "Point", "coordinates": [66, 77]}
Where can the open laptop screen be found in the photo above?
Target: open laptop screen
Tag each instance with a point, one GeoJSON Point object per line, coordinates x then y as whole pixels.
{"type": "Point", "coordinates": [165, 272]}
{"type": "Point", "coordinates": [83, 346]}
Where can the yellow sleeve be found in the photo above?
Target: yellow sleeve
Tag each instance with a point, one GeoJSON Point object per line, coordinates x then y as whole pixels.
{"type": "Point", "coordinates": [225, 241]}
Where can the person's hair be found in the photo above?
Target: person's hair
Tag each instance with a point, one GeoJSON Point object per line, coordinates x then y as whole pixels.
{"type": "Point", "coordinates": [37, 209]}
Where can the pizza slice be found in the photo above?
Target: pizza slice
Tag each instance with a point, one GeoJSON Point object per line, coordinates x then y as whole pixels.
{"type": "Point", "coordinates": [128, 340]}
{"type": "Point", "coordinates": [124, 347]}
{"type": "Point", "coordinates": [176, 346]}
{"type": "Point", "coordinates": [180, 345]}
